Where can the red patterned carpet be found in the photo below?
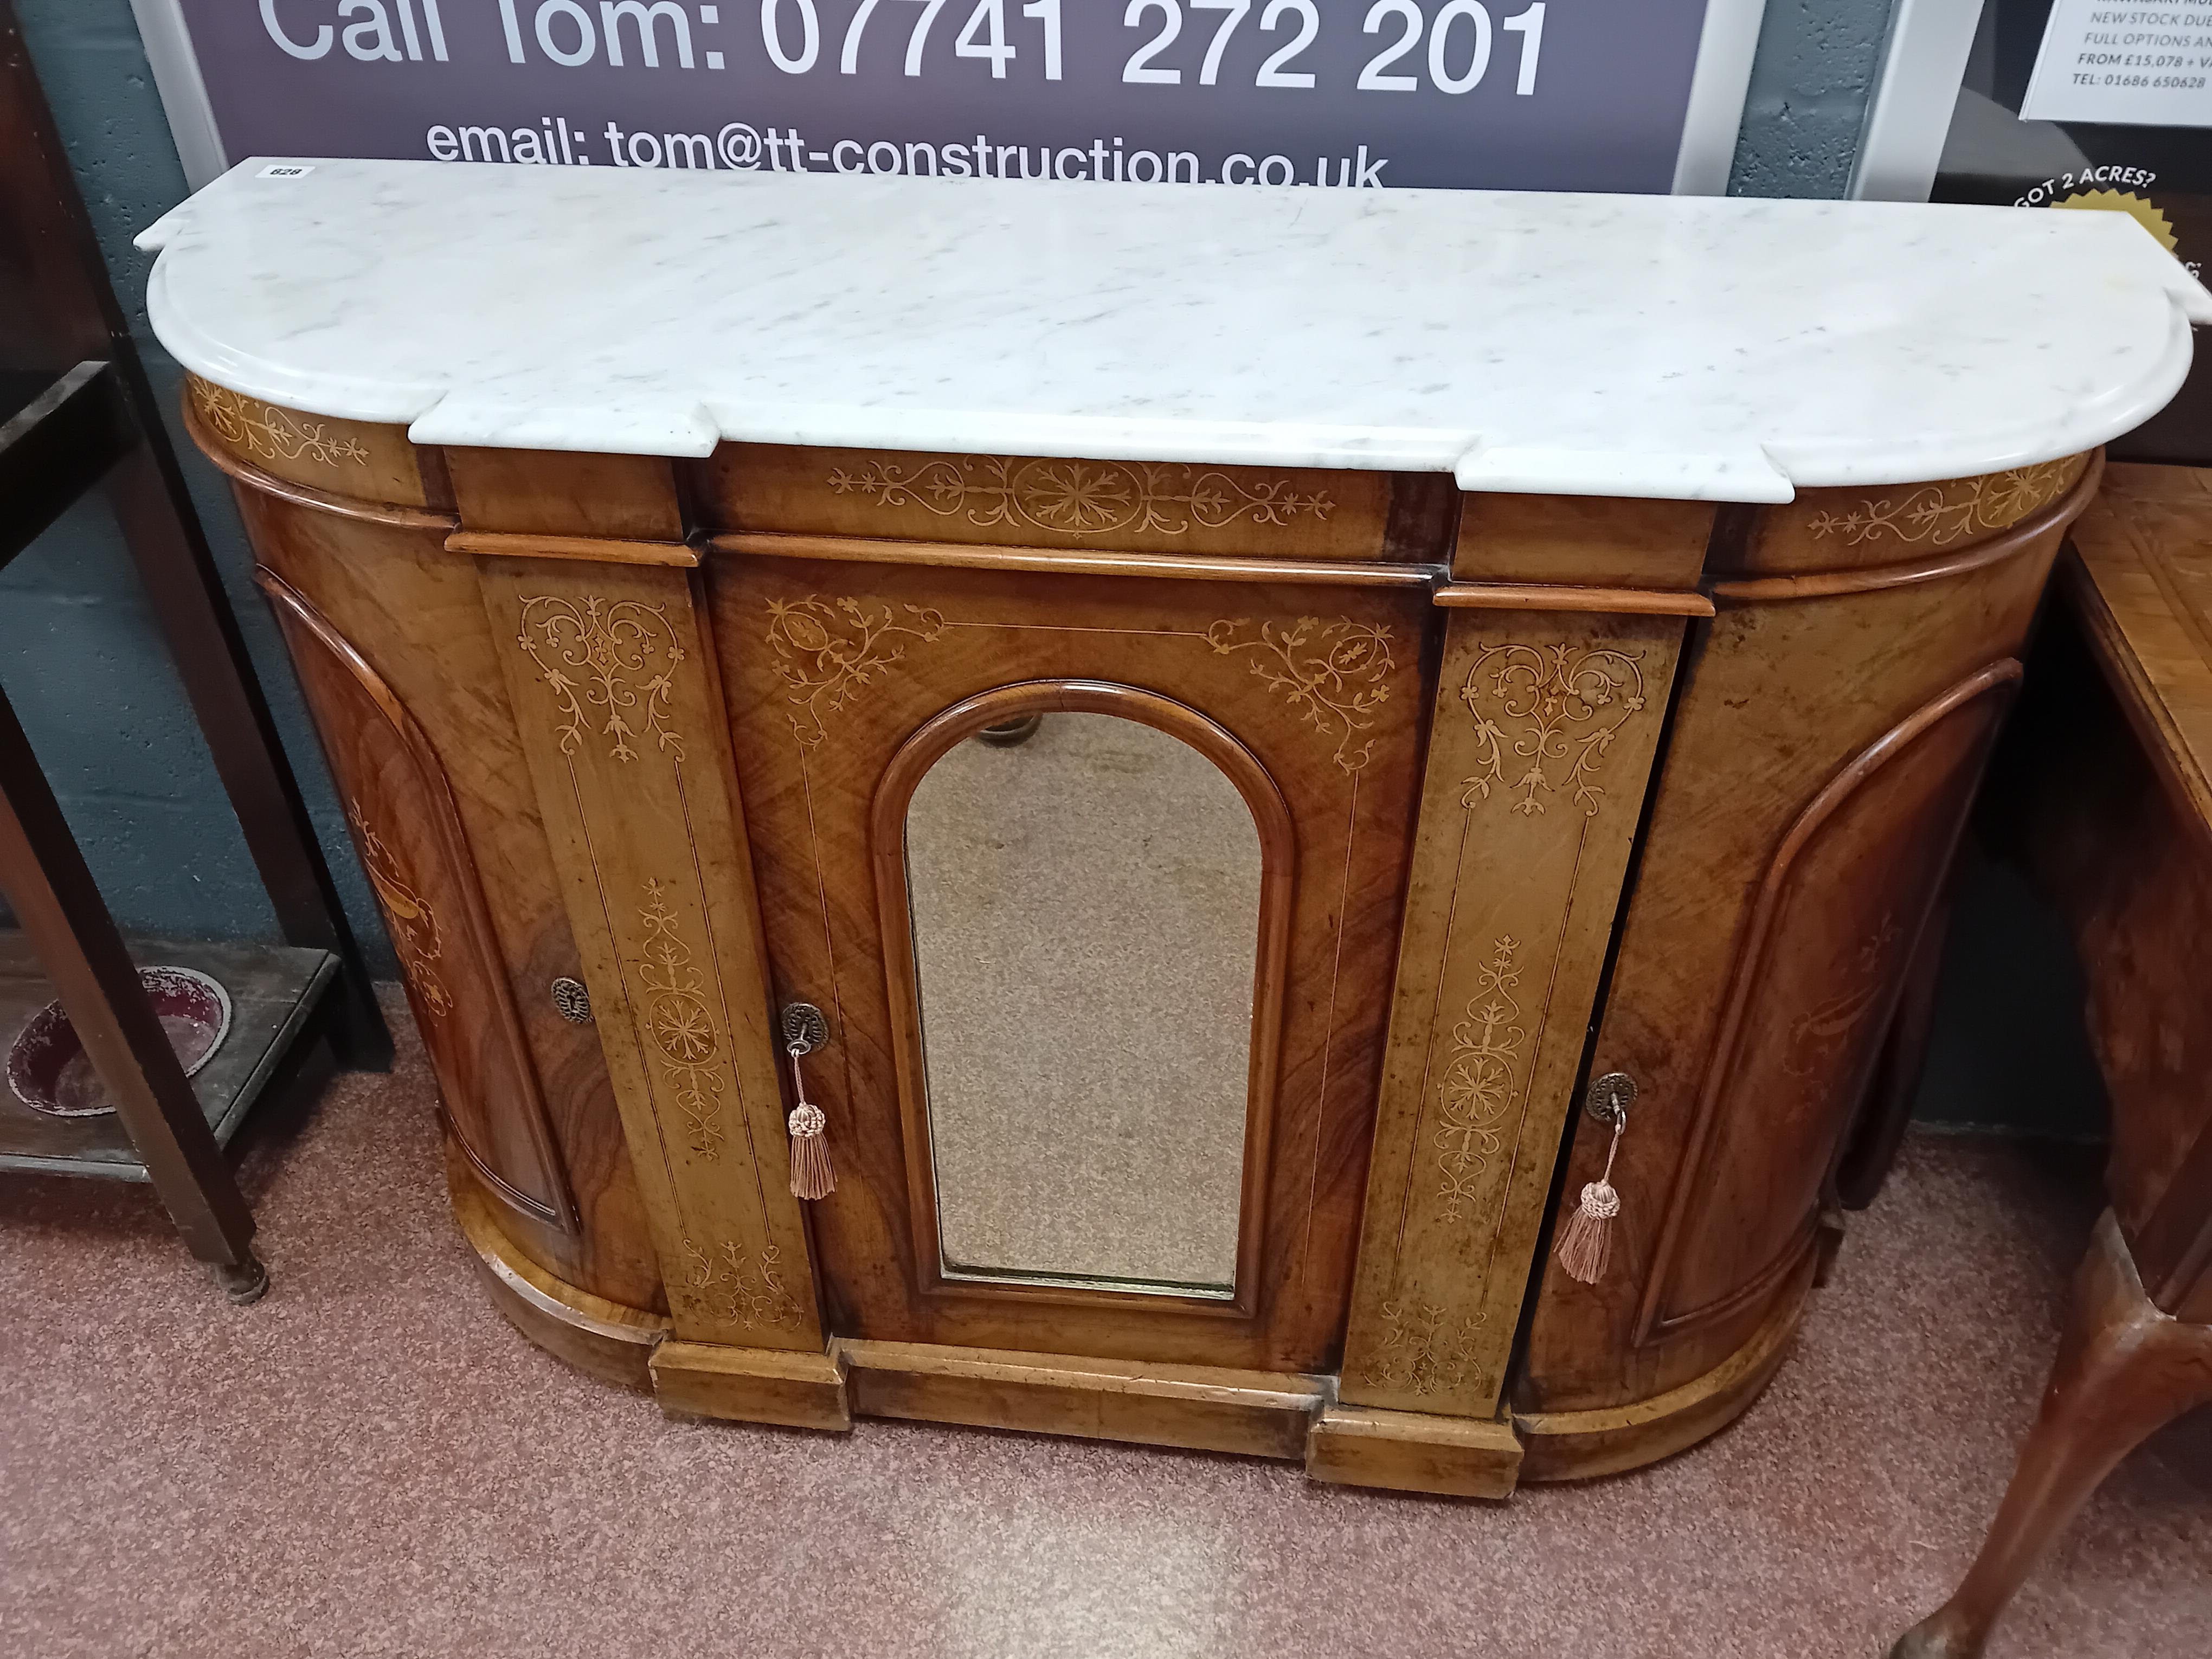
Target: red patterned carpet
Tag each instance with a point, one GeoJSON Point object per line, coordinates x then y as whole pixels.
{"type": "Point", "coordinates": [372, 1463]}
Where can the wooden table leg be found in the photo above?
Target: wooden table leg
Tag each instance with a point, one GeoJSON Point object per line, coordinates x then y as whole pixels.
{"type": "Point", "coordinates": [54, 897]}
{"type": "Point", "coordinates": [2124, 1370]}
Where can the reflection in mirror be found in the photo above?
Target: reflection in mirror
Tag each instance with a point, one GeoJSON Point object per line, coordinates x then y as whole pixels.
{"type": "Point", "coordinates": [1085, 898]}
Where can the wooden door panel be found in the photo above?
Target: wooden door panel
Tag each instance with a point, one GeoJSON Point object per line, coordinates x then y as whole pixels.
{"type": "Point", "coordinates": [408, 835]}
{"type": "Point", "coordinates": [1815, 978]}
{"type": "Point", "coordinates": [1781, 691]}
{"type": "Point", "coordinates": [1539, 756]}
{"type": "Point", "coordinates": [611, 673]}
{"type": "Point", "coordinates": [829, 667]}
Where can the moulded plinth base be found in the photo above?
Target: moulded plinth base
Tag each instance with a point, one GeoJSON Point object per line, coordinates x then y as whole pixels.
{"type": "Point", "coordinates": [1257, 1414]}
{"type": "Point", "coordinates": [1613, 1439]}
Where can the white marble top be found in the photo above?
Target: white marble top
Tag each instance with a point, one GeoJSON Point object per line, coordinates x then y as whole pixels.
{"type": "Point", "coordinates": [1671, 346]}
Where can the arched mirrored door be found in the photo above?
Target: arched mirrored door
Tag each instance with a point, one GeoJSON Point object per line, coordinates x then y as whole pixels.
{"type": "Point", "coordinates": [1083, 893]}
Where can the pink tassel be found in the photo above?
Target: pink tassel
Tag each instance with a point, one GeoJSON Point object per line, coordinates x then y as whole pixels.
{"type": "Point", "coordinates": [1586, 1242]}
{"type": "Point", "coordinates": [811, 1174]}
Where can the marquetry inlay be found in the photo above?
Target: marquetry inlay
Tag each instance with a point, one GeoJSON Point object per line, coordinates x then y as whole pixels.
{"type": "Point", "coordinates": [1481, 1082]}
{"type": "Point", "coordinates": [827, 651]}
{"type": "Point", "coordinates": [409, 916]}
{"type": "Point", "coordinates": [1080, 498]}
{"type": "Point", "coordinates": [1939, 513]}
{"type": "Point", "coordinates": [1425, 1349]}
{"type": "Point", "coordinates": [271, 433]}
{"type": "Point", "coordinates": [741, 1287]}
{"type": "Point", "coordinates": [680, 1023]}
{"type": "Point", "coordinates": [610, 668]}
{"type": "Point", "coordinates": [1819, 1034]}
{"type": "Point", "coordinates": [1336, 673]}
{"type": "Point", "coordinates": [1561, 706]}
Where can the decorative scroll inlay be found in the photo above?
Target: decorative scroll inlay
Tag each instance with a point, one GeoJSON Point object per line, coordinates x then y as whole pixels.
{"type": "Point", "coordinates": [413, 923]}
{"type": "Point", "coordinates": [1566, 703]}
{"type": "Point", "coordinates": [739, 1289]}
{"type": "Point", "coordinates": [1821, 1031]}
{"type": "Point", "coordinates": [611, 669]}
{"type": "Point", "coordinates": [1940, 514]}
{"type": "Point", "coordinates": [680, 1024]}
{"type": "Point", "coordinates": [1081, 498]}
{"type": "Point", "coordinates": [1336, 673]}
{"type": "Point", "coordinates": [826, 651]}
{"type": "Point", "coordinates": [265, 430]}
{"type": "Point", "coordinates": [1424, 1352]}
{"type": "Point", "coordinates": [1481, 1083]}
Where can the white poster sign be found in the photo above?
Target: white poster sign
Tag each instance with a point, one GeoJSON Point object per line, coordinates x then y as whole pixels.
{"type": "Point", "coordinates": [2124, 63]}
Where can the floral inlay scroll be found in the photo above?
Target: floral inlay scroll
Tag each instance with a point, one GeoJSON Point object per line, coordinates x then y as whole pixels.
{"type": "Point", "coordinates": [269, 432]}
{"type": "Point", "coordinates": [1939, 513]}
{"type": "Point", "coordinates": [680, 1024]}
{"type": "Point", "coordinates": [1336, 673]}
{"type": "Point", "coordinates": [1823, 1030]}
{"type": "Point", "coordinates": [1423, 1350]}
{"type": "Point", "coordinates": [1481, 1080]}
{"type": "Point", "coordinates": [1081, 498]}
{"type": "Point", "coordinates": [1563, 705]}
{"type": "Point", "coordinates": [412, 921]}
{"type": "Point", "coordinates": [611, 664]}
{"type": "Point", "coordinates": [827, 650]}
{"type": "Point", "coordinates": [740, 1288]}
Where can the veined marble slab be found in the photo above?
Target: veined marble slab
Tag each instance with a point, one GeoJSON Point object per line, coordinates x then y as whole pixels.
{"type": "Point", "coordinates": [1688, 347]}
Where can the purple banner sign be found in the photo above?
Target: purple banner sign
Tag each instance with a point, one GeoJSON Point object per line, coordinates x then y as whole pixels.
{"type": "Point", "coordinates": [1552, 94]}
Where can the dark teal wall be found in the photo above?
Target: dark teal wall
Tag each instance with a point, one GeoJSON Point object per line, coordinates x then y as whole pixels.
{"type": "Point", "coordinates": [79, 654]}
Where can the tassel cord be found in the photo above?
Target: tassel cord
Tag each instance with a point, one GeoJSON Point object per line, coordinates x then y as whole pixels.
{"type": "Point", "coordinates": [811, 1174]}
{"type": "Point", "coordinates": [1586, 1243]}
{"type": "Point", "coordinates": [1620, 1126]}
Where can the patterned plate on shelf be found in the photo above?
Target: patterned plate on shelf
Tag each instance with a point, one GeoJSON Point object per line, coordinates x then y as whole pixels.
{"type": "Point", "coordinates": [50, 1071]}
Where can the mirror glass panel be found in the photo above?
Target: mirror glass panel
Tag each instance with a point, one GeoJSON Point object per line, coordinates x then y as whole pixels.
{"type": "Point", "coordinates": [1085, 903]}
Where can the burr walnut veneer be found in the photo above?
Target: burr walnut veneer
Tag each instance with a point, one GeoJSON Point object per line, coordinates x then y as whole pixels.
{"type": "Point", "coordinates": [1546, 787]}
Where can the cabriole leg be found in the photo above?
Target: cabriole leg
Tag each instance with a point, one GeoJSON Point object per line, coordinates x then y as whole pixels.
{"type": "Point", "coordinates": [2124, 1370]}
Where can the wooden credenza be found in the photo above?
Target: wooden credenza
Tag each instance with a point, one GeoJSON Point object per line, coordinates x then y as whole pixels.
{"type": "Point", "coordinates": [649, 727]}
{"type": "Point", "coordinates": [1550, 587]}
